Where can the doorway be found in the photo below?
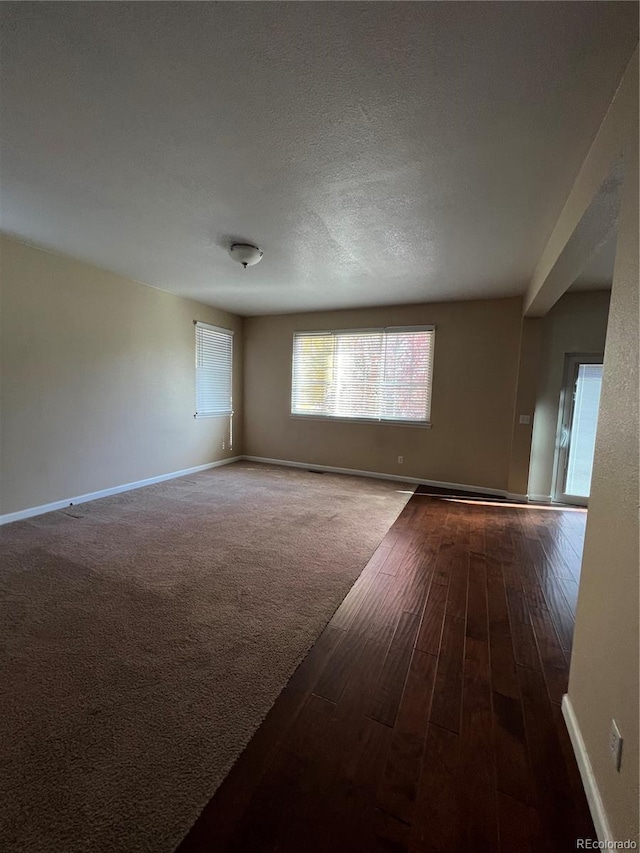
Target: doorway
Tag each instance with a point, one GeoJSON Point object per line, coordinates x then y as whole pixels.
{"type": "Point", "coordinates": [577, 424]}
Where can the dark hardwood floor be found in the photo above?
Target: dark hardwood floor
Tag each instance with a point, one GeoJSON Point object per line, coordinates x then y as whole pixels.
{"type": "Point", "coordinates": [427, 715]}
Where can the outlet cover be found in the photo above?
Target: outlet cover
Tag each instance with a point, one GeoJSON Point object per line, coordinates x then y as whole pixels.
{"type": "Point", "coordinates": [400, 460]}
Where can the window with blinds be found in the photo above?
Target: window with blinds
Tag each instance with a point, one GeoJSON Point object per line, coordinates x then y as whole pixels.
{"type": "Point", "coordinates": [366, 374]}
{"type": "Point", "coordinates": [214, 371]}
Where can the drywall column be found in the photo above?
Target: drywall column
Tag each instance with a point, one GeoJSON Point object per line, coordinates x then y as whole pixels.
{"type": "Point", "coordinates": [588, 216]}
{"type": "Point", "coordinates": [603, 682]}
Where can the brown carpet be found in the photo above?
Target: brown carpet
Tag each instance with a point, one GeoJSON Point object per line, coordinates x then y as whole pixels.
{"type": "Point", "coordinates": [144, 637]}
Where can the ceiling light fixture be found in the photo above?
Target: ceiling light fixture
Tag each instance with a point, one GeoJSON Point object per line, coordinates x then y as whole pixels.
{"type": "Point", "coordinates": [245, 254]}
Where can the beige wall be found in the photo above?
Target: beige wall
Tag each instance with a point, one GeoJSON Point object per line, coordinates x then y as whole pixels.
{"type": "Point", "coordinates": [577, 323]}
{"type": "Point", "coordinates": [604, 666]}
{"type": "Point", "coordinates": [475, 375]}
{"type": "Point", "coordinates": [528, 375]}
{"type": "Point", "coordinates": [97, 380]}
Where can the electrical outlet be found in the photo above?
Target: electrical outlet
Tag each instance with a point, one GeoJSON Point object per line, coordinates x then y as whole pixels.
{"type": "Point", "coordinates": [400, 460]}
{"type": "Point", "coordinates": [525, 419]}
{"type": "Point", "coordinates": [615, 745]}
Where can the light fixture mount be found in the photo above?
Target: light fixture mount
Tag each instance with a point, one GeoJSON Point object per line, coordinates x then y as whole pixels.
{"type": "Point", "coordinates": [245, 254]}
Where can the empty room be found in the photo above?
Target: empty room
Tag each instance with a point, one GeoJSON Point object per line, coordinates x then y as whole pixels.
{"type": "Point", "coordinates": [319, 446]}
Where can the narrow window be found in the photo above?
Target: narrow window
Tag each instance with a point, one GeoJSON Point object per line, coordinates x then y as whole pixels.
{"type": "Point", "coordinates": [214, 371]}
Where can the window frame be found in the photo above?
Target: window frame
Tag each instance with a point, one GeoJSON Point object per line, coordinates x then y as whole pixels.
{"type": "Point", "coordinates": [227, 413]}
{"type": "Point", "coordinates": [413, 424]}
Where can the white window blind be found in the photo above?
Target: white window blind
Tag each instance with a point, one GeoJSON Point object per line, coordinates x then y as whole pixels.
{"type": "Point", "coordinates": [214, 370]}
{"type": "Point", "coordinates": [368, 374]}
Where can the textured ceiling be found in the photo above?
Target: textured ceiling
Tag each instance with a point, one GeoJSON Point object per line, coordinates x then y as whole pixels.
{"type": "Point", "coordinates": [378, 152]}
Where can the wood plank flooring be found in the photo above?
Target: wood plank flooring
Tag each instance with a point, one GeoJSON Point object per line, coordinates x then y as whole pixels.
{"type": "Point", "coordinates": [426, 717]}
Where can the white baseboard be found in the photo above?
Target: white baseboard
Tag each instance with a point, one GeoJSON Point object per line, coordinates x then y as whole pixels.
{"type": "Point", "coordinates": [596, 806]}
{"type": "Point", "coordinates": [378, 476]}
{"type": "Point", "coordinates": [30, 512]}
{"type": "Point", "coordinates": [514, 496]}
{"type": "Point", "coordinates": [540, 499]}
{"type": "Point", "coordinates": [105, 493]}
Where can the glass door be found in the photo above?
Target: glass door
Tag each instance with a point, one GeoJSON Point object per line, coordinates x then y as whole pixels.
{"type": "Point", "coordinates": [577, 428]}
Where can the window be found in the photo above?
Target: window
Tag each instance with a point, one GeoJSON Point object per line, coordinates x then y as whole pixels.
{"type": "Point", "coordinates": [364, 374]}
{"type": "Point", "coordinates": [214, 369]}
